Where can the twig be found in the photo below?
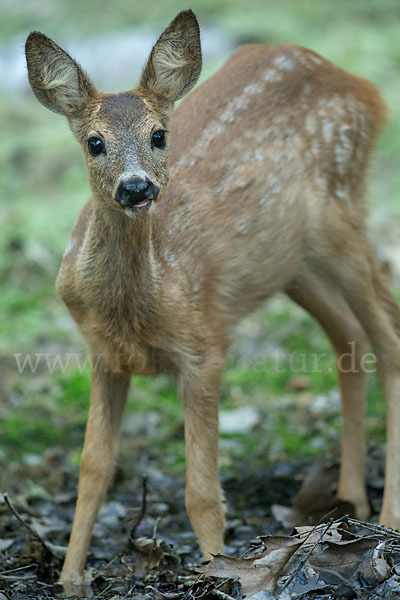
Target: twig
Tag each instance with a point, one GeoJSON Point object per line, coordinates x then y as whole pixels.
{"type": "Point", "coordinates": [26, 577]}
{"type": "Point", "coordinates": [379, 529]}
{"type": "Point", "coordinates": [128, 593]}
{"type": "Point", "coordinates": [28, 527]}
{"type": "Point", "coordinates": [153, 546]}
{"type": "Point", "coordinates": [188, 593]}
{"type": "Point", "coordinates": [143, 509]}
{"type": "Point", "coordinates": [103, 591]}
{"type": "Point", "coordinates": [163, 595]}
{"type": "Point", "coordinates": [307, 556]}
{"type": "Point", "coordinates": [222, 595]}
{"type": "Point", "coordinates": [18, 569]}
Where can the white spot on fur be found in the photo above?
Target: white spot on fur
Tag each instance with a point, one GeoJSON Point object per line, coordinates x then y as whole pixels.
{"type": "Point", "coordinates": [209, 133]}
{"type": "Point", "coordinates": [352, 103]}
{"type": "Point", "coordinates": [321, 183]}
{"type": "Point", "coordinates": [273, 190]}
{"type": "Point", "coordinates": [217, 126]}
{"type": "Point", "coordinates": [342, 191]}
{"type": "Point", "coordinates": [276, 187]}
{"type": "Point", "coordinates": [283, 62]}
{"type": "Point", "coordinates": [316, 59]}
{"type": "Point", "coordinates": [258, 155]}
{"type": "Point", "coordinates": [344, 149]}
{"type": "Point", "coordinates": [327, 130]}
{"type": "Point", "coordinates": [311, 123]}
{"type": "Point", "coordinates": [233, 181]}
{"type": "Point", "coordinates": [275, 156]}
{"type": "Point", "coordinates": [253, 88]}
{"type": "Point", "coordinates": [240, 102]}
{"type": "Point", "coordinates": [306, 58]}
{"type": "Point", "coordinates": [183, 163]}
{"type": "Point", "coordinates": [332, 108]}
{"type": "Point", "coordinates": [303, 58]}
{"type": "Point", "coordinates": [362, 122]}
{"type": "Point", "coordinates": [315, 147]}
{"type": "Point", "coordinates": [271, 75]}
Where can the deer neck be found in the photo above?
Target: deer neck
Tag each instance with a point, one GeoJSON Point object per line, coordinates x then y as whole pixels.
{"type": "Point", "coordinates": [119, 250]}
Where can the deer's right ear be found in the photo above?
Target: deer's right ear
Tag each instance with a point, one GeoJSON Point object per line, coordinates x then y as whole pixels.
{"type": "Point", "coordinates": [57, 81]}
{"type": "Point", "coordinates": [174, 64]}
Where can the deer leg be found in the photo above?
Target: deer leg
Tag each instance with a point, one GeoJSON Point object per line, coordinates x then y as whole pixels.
{"type": "Point", "coordinates": [203, 496]}
{"type": "Point", "coordinates": [107, 402]}
{"type": "Point", "coordinates": [350, 262]}
{"type": "Point", "coordinates": [390, 513]}
{"type": "Point", "coordinates": [325, 303]}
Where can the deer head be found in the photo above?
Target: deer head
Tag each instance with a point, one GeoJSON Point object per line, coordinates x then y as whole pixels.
{"type": "Point", "coordinates": [124, 136]}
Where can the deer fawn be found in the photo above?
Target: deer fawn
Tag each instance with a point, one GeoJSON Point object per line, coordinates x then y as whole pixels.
{"type": "Point", "coordinates": [268, 161]}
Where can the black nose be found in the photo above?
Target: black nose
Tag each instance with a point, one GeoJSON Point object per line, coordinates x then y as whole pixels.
{"type": "Point", "coordinates": [135, 190]}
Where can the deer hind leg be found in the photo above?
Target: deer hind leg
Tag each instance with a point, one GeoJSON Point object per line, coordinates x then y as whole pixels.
{"type": "Point", "coordinates": [346, 255]}
{"type": "Point", "coordinates": [324, 302]}
{"type": "Point", "coordinates": [199, 389]}
{"type": "Point", "coordinates": [107, 402]}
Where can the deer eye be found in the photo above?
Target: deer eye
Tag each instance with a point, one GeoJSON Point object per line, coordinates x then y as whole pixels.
{"type": "Point", "coordinates": [158, 138]}
{"type": "Point", "coordinates": [95, 146]}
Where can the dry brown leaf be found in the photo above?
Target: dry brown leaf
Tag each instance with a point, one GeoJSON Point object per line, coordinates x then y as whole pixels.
{"type": "Point", "coordinates": [312, 534]}
{"type": "Point", "coordinates": [379, 563]}
{"type": "Point", "coordinates": [348, 561]}
{"type": "Point", "coordinates": [258, 573]}
{"type": "Point", "coordinates": [149, 553]}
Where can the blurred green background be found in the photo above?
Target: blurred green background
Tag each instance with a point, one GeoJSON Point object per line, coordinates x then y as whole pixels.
{"type": "Point", "coordinates": [43, 186]}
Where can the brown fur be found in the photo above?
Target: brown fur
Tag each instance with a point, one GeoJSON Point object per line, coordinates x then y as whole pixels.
{"type": "Point", "coordinates": [268, 162]}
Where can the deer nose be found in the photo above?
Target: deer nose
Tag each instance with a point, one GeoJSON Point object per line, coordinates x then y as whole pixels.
{"type": "Point", "coordinates": [135, 191]}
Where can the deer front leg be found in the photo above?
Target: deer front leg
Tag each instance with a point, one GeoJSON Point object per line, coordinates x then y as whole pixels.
{"type": "Point", "coordinates": [107, 402]}
{"type": "Point", "coordinates": [203, 497]}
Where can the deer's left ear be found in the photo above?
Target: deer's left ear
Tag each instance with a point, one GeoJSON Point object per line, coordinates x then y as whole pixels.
{"type": "Point", "coordinates": [174, 64]}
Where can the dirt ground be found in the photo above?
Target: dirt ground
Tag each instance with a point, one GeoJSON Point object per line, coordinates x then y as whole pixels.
{"type": "Point", "coordinates": [143, 546]}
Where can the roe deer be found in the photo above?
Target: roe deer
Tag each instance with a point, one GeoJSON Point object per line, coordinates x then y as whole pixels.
{"type": "Point", "coordinates": [268, 160]}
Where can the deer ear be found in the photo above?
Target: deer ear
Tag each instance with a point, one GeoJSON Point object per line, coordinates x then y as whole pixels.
{"type": "Point", "coordinates": [174, 64]}
{"type": "Point", "coordinates": [57, 81]}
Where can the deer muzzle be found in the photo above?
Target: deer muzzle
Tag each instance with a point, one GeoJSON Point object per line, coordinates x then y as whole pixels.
{"type": "Point", "coordinates": [136, 193]}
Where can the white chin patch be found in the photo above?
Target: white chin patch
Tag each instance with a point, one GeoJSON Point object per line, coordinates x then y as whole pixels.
{"type": "Point", "coordinates": [129, 212]}
{"type": "Point", "coordinates": [134, 212]}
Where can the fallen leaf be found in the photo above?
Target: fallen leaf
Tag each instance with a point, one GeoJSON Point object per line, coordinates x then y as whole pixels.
{"type": "Point", "coordinates": [312, 534]}
{"type": "Point", "coordinates": [149, 553]}
{"type": "Point", "coordinates": [258, 573]}
{"type": "Point", "coordinates": [379, 563]}
{"type": "Point", "coordinates": [346, 562]}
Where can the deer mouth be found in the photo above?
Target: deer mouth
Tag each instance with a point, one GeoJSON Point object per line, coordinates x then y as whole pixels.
{"type": "Point", "coordinates": [143, 206]}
